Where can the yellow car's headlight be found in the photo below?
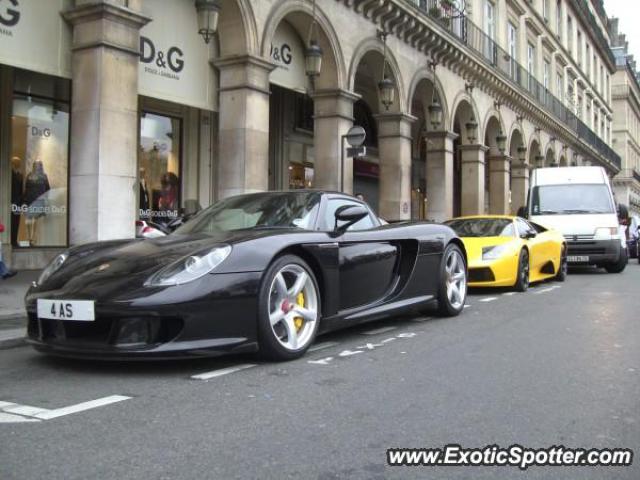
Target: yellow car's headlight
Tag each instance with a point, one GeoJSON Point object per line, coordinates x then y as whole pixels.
{"type": "Point", "coordinates": [494, 252]}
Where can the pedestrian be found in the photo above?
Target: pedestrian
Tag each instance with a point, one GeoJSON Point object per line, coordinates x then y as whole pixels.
{"type": "Point", "coordinates": [4, 271]}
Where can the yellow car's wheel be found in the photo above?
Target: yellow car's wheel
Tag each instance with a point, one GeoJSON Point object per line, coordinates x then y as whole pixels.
{"type": "Point", "coordinates": [522, 282]}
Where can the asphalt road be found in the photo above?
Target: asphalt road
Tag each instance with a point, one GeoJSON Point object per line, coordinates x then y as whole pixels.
{"type": "Point", "coordinates": [552, 366]}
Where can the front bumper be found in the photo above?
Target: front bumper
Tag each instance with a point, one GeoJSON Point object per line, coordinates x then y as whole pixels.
{"type": "Point", "coordinates": [598, 252]}
{"type": "Point", "coordinates": [501, 272]}
{"type": "Point", "coordinates": [216, 317]}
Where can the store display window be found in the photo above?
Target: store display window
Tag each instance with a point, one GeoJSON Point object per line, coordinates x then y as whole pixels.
{"type": "Point", "coordinates": [300, 175]}
{"type": "Point", "coordinates": [39, 161]}
{"type": "Point", "coordinates": [159, 172]}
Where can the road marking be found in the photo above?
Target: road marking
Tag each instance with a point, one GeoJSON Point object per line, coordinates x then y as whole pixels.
{"type": "Point", "coordinates": [322, 346]}
{"type": "Point", "coordinates": [488, 299]}
{"type": "Point", "coordinates": [9, 418]}
{"type": "Point", "coordinates": [379, 330]}
{"type": "Point", "coordinates": [421, 319]}
{"type": "Point", "coordinates": [545, 290]}
{"type": "Point", "coordinates": [222, 371]}
{"type": "Point", "coordinates": [467, 306]}
{"type": "Point", "coordinates": [509, 294]}
{"type": "Point", "coordinates": [80, 407]}
{"type": "Point", "coordinates": [14, 412]}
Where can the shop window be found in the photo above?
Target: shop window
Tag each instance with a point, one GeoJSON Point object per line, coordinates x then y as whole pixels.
{"type": "Point", "coordinates": [159, 168]}
{"type": "Point", "coordinates": [300, 175]}
{"type": "Point", "coordinates": [39, 161]}
{"type": "Point", "coordinates": [304, 112]}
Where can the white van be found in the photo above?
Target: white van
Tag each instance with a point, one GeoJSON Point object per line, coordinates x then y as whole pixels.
{"type": "Point", "coordinates": [579, 203]}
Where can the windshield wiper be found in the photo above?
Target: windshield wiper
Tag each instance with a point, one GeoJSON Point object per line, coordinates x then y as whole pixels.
{"type": "Point", "coordinates": [576, 210]}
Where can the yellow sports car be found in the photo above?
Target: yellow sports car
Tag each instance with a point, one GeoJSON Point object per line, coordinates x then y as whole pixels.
{"type": "Point", "coordinates": [507, 251]}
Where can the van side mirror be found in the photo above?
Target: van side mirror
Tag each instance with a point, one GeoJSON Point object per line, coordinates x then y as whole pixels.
{"type": "Point", "coordinates": [522, 212]}
{"type": "Point", "coordinates": [349, 214]}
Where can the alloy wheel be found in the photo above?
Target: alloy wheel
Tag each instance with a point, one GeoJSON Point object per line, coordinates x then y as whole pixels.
{"type": "Point", "coordinates": [293, 307]}
{"type": "Point", "coordinates": [456, 280]}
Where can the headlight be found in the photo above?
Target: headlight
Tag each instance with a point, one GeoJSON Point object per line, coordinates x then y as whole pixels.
{"type": "Point", "coordinates": [190, 268]}
{"type": "Point", "coordinates": [492, 253]}
{"type": "Point", "coordinates": [53, 267]}
{"type": "Point", "coordinates": [607, 233]}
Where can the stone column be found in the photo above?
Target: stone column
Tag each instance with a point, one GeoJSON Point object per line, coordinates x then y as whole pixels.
{"type": "Point", "coordinates": [104, 130]}
{"type": "Point", "coordinates": [499, 166]}
{"type": "Point", "coordinates": [394, 151]}
{"type": "Point", "coordinates": [473, 165]}
{"type": "Point", "coordinates": [519, 186]}
{"type": "Point", "coordinates": [439, 171]}
{"type": "Point", "coordinates": [243, 133]}
{"type": "Point", "coordinates": [333, 117]}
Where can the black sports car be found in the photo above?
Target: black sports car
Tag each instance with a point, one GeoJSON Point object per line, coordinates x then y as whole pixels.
{"type": "Point", "coordinates": [264, 271]}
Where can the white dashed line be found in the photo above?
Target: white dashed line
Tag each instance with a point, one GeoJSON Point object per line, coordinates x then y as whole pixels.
{"type": "Point", "coordinates": [222, 371]}
{"type": "Point", "coordinates": [322, 346]}
{"type": "Point", "coordinates": [379, 330]}
{"type": "Point", "coordinates": [488, 299]}
{"type": "Point", "coordinates": [546, 290]}
{"type": "Point", "coordinates": [80, 407]}
{"type": "Point", "coordinates": [509, 294]}
{"type": "Point", "coordinates": [421, 319]}
{"type": "Point", "coordinates": [13, 412]}
{"type": "Point", "coordinates": [467, 306]}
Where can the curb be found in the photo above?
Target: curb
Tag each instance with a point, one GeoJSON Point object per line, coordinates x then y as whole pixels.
{"type": "Point", "coordinates": [12, 338]}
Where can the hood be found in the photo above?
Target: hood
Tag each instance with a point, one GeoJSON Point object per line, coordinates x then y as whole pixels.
{"type": "Point", "coordinates": [576, 224]}
{"type": "Point", "coordinates": [474, 245]}
{"type": "Point", "coordinates": [130, 263]}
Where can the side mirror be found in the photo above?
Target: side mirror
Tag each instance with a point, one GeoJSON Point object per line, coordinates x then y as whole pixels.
{"type": "Point", "coordinates": [529, 235]}
{"type": "Point", "coordinates": [349, 214]}
{"type": "Point", "coordinates": [522, 212]}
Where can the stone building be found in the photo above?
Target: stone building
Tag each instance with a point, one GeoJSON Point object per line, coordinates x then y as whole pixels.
{"type": "Point", "coordinates": [114, 110]}
{"type": "Point", "coordinates": [625, 92]}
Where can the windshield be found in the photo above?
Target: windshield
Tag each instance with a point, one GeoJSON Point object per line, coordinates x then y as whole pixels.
{"type": "Point", "coordinates": [482, 227]}
{"type": "Point", "coordinates": [257, 210]}
{"type": "Point", "coordinates": [571, 199]}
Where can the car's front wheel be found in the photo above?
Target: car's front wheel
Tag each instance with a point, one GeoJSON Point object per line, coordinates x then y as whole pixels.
{"type": "Point", "coordinates": [289, 309]}
{"type": "Point", "coordinates": [452, 293]}
{"type": "Point", "coordinates": [522, 282]}
{"type": "Point", "coordinates": [561, 276]}
{"type": "Point", "coordinates": [620, 265]}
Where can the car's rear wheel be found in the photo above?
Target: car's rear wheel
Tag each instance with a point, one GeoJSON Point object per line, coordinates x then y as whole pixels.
{"type": "Point", "coordinates": [561, 276]}
{"type": "Point", "coordinates": [452, 293]}
{"type": "Point", "coordinates": [522, 282]}
{"type": "Point", "coordinates": [289, 309]}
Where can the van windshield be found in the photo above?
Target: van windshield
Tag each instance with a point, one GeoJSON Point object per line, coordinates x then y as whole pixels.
{"type": "Point", "coordinates": [571, 199]}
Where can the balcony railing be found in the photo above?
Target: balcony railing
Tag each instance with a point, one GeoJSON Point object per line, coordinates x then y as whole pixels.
{"type": "Point", "coordinates": [457, 24]}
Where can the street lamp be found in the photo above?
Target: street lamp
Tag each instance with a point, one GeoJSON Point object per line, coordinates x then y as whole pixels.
{"type": "Point", "coordinates": [501, 141]}
{"type": "Point", "coordinates": [435, 109]}
{"type": "Point", "coordinates": [313, 52]}
{"type": "Point", "coordinates": [386, 86]}
{"type": "Point", "coordinates": [472, 129]}
{"type": "Point", "coordinates": [522, 154]}
{"type": "Point", "coordinates": [208, 13]}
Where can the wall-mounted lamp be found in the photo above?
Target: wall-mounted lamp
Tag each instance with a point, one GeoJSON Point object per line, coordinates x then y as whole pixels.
{"type": "Point", "coordinates": [472, 129]}
{"type": "Point", "coordinates": [522, 154]}
{"type": "Point", "coordinates": [313, 52]}
{"type": "Point", "coordinates": [501, 142]}
{"type": "Point", "coordinates": [208, 14]}
{"type": "Point", "coordinates": [386, 86]}
{"type": "Point", "coordinates": [435, 109]}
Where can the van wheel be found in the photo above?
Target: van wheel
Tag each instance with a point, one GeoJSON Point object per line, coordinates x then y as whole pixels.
{"type": "Point", "coordinates": [620, 265]}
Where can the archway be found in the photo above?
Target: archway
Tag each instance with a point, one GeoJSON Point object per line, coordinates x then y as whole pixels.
{"type": "Point", "coordinates": [563, 161]}
{"type": "Point", "coordinates": [389, 196]}
{"type": "Point", "coordinates": [496, 169]}
{"type": "Point", "coordinates": [550, 158]}
{"type": "Point", "coordinates": [302, 155]}
{"type": "Point", "coordinates": [468, 160]}
{"type": "Point", "coordinates": [425, 95]}
{"type": "Point", "coordinates": [535, 158]}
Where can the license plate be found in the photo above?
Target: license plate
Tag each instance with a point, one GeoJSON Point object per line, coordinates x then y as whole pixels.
{"type": "Point", "coordinates": [577, 258]}
{"type": "Point", "coordinates": [77, 310]}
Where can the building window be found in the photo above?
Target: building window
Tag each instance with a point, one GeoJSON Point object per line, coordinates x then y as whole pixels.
{"type": "Point", "coordinates": [587, 55]}
{"type": "Point", "coordinates": [560, 87]}
{"type": "Point", "coordinates": [159, 173]}
{"type": "Point", "coordinates": [579, 50]}
{"type": "Point", "coordinates": [545, 10]}
{"type": "Point", "coordinates": [579, 107]}
{"type": "Point", "coordinates": [569, 34]}
{"type": "Point", "coordinates": [304, 112]}
{"type": "Point", "coordinates": [593, 72]}
{"type": "Point", "coordinates": [545, 74]}
{"type": "Point", "coordinates": [601, 82]}
{"type": "Point", "coordinates": [39, 161]}
{"type": "Point", "coordinates": [559, 18]}
{"type": "Point", "coordinates": [531, 64]}
{"type": "Point", "coordinates": [490, 30]}
{"type": "Point", "coordinates": [512, 38]}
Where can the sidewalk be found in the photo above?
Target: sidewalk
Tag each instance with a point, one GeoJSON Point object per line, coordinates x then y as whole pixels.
{"type": "Point", "coordinates": [12, 314]}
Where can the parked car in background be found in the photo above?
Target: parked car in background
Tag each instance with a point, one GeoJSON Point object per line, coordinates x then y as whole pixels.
{"type": "Point", "coordinates": [506, 251]}
{"type": "Point", "coordinates": [578, 202]}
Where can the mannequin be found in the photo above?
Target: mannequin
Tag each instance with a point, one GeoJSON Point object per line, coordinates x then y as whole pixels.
{"type": "Point", "coordinates": [36, 185]}
{"type": "Point", "coordinates": [17, 193]}
{"type": "Point", "coordinates": [144, 191]}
